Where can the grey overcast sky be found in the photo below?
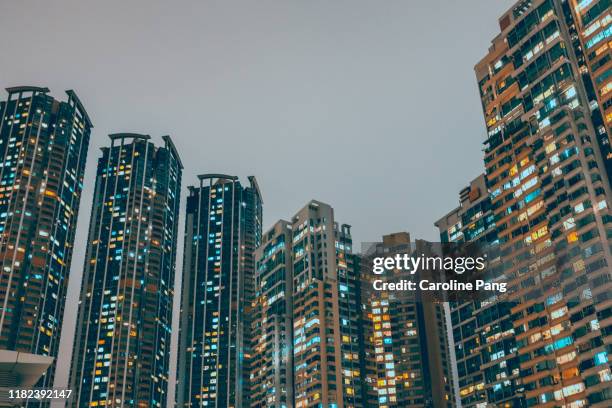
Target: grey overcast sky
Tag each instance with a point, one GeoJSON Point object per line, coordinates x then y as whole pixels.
{"type": "Point", "coordinates": [371, 106]}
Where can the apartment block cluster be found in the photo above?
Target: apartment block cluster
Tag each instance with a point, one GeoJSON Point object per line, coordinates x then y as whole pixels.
{"type": "Point", "coordinates": [287, 317]}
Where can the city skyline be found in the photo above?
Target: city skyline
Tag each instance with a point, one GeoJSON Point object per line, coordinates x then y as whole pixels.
{"type": "Point", "coordinates": [539, 201]}
{"type": "Point", "coordinates": [310, 68]}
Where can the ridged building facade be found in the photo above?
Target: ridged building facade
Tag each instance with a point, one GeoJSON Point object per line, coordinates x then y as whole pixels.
{"type": "Point", "coordinates": [43, 150]}
{"type": "Point", "coordinates": [222, 231]}
{"type": "Point", "coordinates": [121, 352]}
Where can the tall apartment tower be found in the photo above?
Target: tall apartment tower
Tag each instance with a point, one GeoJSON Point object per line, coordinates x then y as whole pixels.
{"type": "Point", "coordinates": [550, 195]}
{"type": "Point", "coordinates": [272, 354]}
{"type": "Point", "coordinates": [481, 332]}
{"type": "Point", "coordinates": [352, 343]}
{"type": "Point", "coordinates": [317, 353]}
{"type": "Point", "coordinates": [43, 145]}
{"type": "Point", "coordinates": [122, 339]}
{"type": "Point", "coordinates": [407, 358]}
{"type": "Point", "coordinates": [308, 344]}
{"type": "Point", "coordinates": [222, 231]}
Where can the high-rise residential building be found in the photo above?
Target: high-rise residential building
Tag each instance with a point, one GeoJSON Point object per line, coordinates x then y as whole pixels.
{"type": "Point", "coordinates": [317, 352]}
{"type": "Point", "coordinates": [222, 231]}
{"type": "Point", "coordinates": [43, 145]}
{"type": "Point", "coordinates": [272, 354]}
{"type": "Point", "coordinates": [481, 333]}
{"type": "Point", "coordinates": [550, 195]}
{"type": "Point", "coordinates": [122, 340]}
{"type": "Point", "coordinates": [308, 342]}
{"type": "Point", "coordinates": [352, 343]}
{"type": "Point", "coordinates": [407, 355]}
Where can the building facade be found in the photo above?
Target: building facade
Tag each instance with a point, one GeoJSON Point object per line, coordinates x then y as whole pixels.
{"type": "Point", "coordinates": [122, 339]}
{"type": "Point", "coordinates": [317, 353]}
{"type": "Point", "coordinates": [43, 145]}
{"type": "Point", "coordinates": [308, 342]}
{"type": "Point", "coordinates": [481, 332]}
{"type": "Point", "coordinates": [546, 162]}
{"type": "Point", "coordinates": [406, 352]}
{"type": "Point", "coordinates": [591, 31]}
{"type": "Point", "coordinates": [351, 319]}
{"type": "Point", "coordinates": [272, 354]}
{"type": "Point", "coordinates": [222, 231]}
